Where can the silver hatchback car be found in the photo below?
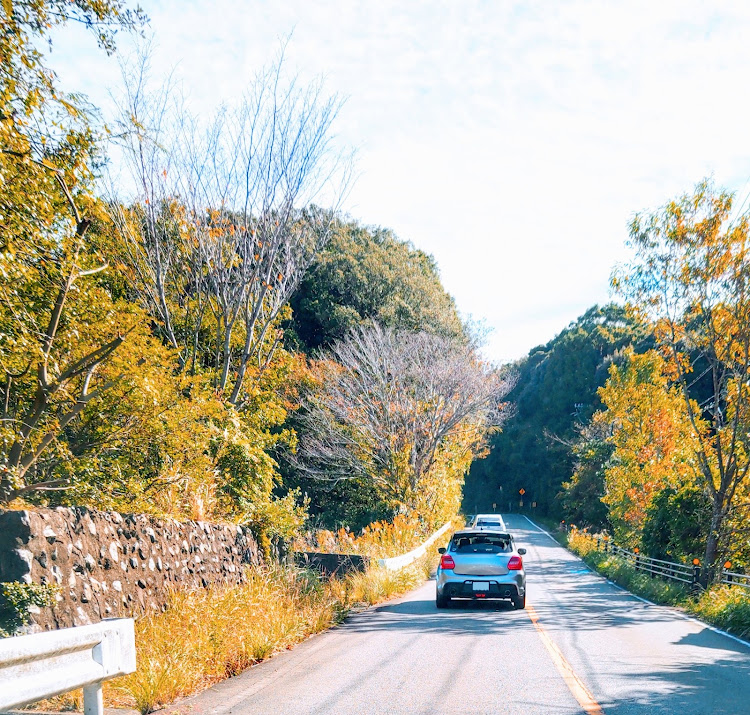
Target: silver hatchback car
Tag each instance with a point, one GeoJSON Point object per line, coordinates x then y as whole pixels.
{"type": "Point", "coordinates": [481, 565]}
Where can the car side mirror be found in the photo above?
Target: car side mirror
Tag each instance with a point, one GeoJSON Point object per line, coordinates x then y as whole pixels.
{"type": "Point", "coordinates": [441, 550]}
{"type": "Point", "coordinates": [521, 552]}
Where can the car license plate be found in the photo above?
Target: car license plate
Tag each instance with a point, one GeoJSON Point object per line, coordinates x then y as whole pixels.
{"type": "Point", "coordinates": [480, 586]}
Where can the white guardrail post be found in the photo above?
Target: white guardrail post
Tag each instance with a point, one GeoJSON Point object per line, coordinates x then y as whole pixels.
{"type": "Point", "coordinates": [42, 665]}
{"type": "Point", "coordinates": [398, 562]}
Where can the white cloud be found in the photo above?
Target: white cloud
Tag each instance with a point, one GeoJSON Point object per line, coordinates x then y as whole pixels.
{"type": "Point", "coordinates": [511, 140]}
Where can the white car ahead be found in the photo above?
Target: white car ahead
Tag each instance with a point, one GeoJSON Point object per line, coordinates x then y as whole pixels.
{"type": "Point", "coordinates": [488, 521]}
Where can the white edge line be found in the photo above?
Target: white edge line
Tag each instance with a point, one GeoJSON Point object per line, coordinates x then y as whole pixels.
{"type": "Point", "coordinates": [676, 611]}
{"type": "Point", "coordinates": [538, 528]}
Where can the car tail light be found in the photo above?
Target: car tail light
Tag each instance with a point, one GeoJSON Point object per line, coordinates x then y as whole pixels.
{"type": "Point", "coordinates": [447, 562]}
{"type": "Point", "coordinates": [515, 563]}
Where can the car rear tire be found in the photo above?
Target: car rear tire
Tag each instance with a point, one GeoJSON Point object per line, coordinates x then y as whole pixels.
{"type": "Point", "coordinates": [519, 602]}
{"type": "Point", "coordinates": [441, 600]}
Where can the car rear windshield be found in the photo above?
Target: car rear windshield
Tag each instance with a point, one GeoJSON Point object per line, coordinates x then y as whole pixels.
{"type": "Point", "coordinates": [489, 522]}
{"type": "Point", "coordinates": [480, 544]}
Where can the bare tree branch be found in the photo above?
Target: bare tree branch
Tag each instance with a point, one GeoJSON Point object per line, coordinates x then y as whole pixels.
{"type": "Point", "coordinates": [225, 223]}
{"type": "Point", "coordinates": [389, 401]}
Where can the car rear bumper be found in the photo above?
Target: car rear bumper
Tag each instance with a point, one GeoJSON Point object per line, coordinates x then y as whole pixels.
{"type": "Point", "coordinates": [511, 586]}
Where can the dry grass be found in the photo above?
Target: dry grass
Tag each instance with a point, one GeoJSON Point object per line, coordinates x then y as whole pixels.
{"type": "Point", "coordinates": [378, 584]}
{"type": "Point", "coordinates": [208, 635]}
{"type": "Point", "coordinates": [379, 540]}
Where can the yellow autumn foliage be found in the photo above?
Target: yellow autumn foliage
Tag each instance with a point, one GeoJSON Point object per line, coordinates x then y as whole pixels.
{"type": "Point", "coordinates": [653, 440]}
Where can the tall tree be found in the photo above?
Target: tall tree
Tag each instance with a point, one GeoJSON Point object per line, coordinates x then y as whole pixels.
{"type": "Point", "coordinates": [46, 137]}
{"type": "Point", "coordinates": [653, 446]}
{"type": "Point", "coordinates": [368, 275]}
{"type": "Point", "coordinates": [581, 496]}
{"type": "Point", "coordinates": [393, 404]}
{"type": "Point", "coordinates": [363, 276]}
{"type": "Point", "coordinates": [224, 224]}
{"type": "Point", "coordinates": [56, 335]}
{"type": "Point", "coordinates": [690, 276]}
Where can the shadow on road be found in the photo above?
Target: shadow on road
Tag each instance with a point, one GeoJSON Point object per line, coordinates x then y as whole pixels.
{"type": "Point", "coordinates": [715, 688]}
{"type": "Point", "coordinates": [707, 673]}
{"type": "Point", "coordinates": [429, 606]}
{"type": "Point", "coordinates": [707, 639]}
{"type": "Point", "coordinates": [478, 618]}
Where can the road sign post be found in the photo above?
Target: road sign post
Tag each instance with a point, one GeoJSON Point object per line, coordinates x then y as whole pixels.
{"type": "Point", "coordinates": [695, 584]}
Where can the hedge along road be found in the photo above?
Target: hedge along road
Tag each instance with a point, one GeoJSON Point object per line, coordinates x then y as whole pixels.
{"type": "Point", "coordinates": [581, 645]}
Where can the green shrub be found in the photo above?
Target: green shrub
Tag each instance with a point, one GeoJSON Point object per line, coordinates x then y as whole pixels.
{"type": "Point", "coordinates": [623, 573]}
{"type": "Point", "coordinates": [677, 523]}
{"type": "Point", "coordinates": [17, 599]}
{"type": "Point", "coordinates": [726, 607]}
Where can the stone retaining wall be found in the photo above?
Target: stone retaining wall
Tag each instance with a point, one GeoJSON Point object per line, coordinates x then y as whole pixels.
{"type": "Point", "coordinates": [108, 564]}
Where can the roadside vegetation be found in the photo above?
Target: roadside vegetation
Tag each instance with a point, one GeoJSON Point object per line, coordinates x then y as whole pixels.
{"type": "Point", "coordinates": [376, 584]}
{"type": "Point", "coordinates": [237, 349]}
{"type": "Point", "coordinates": [378, 540]}
{"type": "Point", "coordinates": [191, 348]}
{"type": "Point", "coordinates": [210, 634]}
{"type": "Point", "coordinates": [381, 539]}
{"type": "Point", "coordinates": [186, 348]}
{"type": "Point", "coordinates": [220, 342]}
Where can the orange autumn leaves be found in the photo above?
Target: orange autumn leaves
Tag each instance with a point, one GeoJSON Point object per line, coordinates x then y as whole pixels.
{"type": "Point", "coordinates": [653, 440]}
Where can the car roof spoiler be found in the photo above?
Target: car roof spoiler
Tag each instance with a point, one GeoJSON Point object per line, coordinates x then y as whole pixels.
{"type": "Point", "coordinates": [481, 530]}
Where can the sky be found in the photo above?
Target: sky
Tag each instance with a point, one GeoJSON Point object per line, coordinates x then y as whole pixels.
{"type": "Point", "coordinates": [513, 141]}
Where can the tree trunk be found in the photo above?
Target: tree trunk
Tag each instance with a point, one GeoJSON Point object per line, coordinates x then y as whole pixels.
{"type": "Point", "coordinates": [6, 486]}
{"type": "Point", "coordinates": [712, 543]}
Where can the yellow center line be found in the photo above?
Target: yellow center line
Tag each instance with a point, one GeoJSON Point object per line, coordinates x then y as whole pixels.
{"type": "Point", "coordinates": [580, 692]}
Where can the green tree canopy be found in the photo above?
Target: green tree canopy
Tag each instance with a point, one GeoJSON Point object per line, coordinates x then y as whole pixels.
{"type": "Point", "coordinates": [368, 275]}
{"type": "Point", "coordinates": [556, 391]}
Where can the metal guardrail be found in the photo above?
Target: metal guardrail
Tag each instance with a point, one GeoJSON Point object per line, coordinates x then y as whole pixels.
{"type": "Point", "coordinates": [42, 665]}
{"type": "Point", "coordinates": [398, 562]}
{"type": "Point", "coordinates": [732, 578]}
{"type": "Point", "coordinates": [656, 567]}
{"type": "Point", "coordinates": [688, 574]}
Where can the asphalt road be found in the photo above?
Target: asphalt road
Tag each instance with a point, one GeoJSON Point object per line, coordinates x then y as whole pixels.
{"type": "Point", "coordinates": [582, 645]}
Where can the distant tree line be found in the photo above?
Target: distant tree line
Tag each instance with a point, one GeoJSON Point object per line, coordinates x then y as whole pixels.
{"type": "Point", "coordinates": [555, 394]}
